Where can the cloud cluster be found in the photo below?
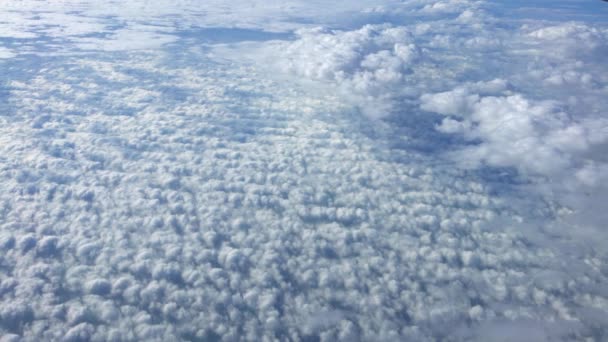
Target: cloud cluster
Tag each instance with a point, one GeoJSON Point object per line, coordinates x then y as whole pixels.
{"type": "Point", "coordinates": [377, 67]}
{"type": "Point", "coordinates": [529, 97]}
{"type": "Point", "coordinates": [507, 130]}
{"type": "Point", "coordinates": [370, 61]}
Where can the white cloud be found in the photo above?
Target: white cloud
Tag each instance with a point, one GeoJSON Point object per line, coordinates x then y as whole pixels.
{"type": "Point", "coordinates": [367, 63]}
{"type": "Point", "coordinates": [571, 31]}
{"type": "Point", "coordinates": [511, 131]}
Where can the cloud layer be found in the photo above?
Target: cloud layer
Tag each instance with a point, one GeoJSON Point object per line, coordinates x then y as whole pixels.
{"type": "Point", "coordinates": [427, 170]}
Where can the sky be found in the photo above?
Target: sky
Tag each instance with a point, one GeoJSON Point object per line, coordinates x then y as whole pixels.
{"type": "Point", "coordinates": [378, 170]}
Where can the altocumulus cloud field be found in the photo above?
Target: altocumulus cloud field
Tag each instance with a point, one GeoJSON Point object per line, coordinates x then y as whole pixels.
{"type": "Point", "coordinates": [369, 170]}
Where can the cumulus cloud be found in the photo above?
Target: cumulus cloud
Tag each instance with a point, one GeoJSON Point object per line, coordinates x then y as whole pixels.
{"type": "Point", "coordinates": [157, 188]}
{"type": "Point", "coordinates": [369, 62]}
{"type": "Point", "coordinates": [512, 131]}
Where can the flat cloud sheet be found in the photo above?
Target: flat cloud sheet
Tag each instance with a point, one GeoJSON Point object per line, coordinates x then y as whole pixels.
{"type": "Point", "coordinates": [303, 170]}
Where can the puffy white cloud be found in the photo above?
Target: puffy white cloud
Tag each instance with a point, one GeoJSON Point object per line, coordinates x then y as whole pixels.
{"type": "Point", "coordinates": [512, 131]}
{"type": "Point", "coordinates": [367, 64]}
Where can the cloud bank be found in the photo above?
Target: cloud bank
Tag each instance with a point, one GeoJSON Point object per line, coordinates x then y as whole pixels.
{"type": "Point", "coordinates": [421, 170]}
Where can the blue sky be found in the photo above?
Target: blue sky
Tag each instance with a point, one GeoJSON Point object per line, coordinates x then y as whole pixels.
{"type": "Point", "coordinates": [303, 170]}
